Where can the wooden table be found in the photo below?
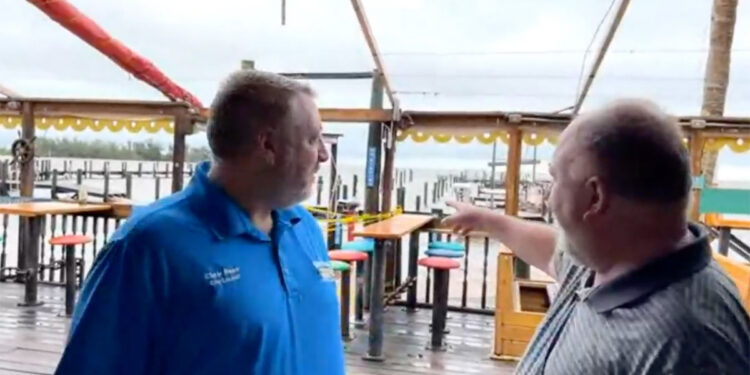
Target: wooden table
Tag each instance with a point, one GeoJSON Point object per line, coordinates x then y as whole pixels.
{"type": "Point", "coordinates": [390, 230]}
{"type": "Point", "coordinates": [725, 227]}
{"type": "Point", "coordinates": [31, 214]}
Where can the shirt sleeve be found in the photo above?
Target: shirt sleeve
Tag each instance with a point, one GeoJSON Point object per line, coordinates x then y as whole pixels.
{"type": "Point", "coordinates": [116, 319]}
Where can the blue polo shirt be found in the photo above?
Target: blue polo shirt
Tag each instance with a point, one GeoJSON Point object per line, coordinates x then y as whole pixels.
{"type": "Point", "coordinates": [190, 286]}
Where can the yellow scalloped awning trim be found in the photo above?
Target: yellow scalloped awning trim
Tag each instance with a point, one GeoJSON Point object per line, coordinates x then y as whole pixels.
{"type": "Point", "coordinates": [79, 124]}
{"type": "Point", "coordinates": [738, 145]}
{"type": "Point", "coordinates": [533, 139]}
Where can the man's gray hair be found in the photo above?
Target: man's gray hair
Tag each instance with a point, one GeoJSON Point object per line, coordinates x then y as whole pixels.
{"type": "Point", "coordinates": [639, 151]}
{"type": "Point", "coordinates": [247, 102]}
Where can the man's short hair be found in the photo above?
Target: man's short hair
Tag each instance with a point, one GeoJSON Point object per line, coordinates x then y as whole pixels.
{"type": "Point", "coordinates": [639, 151]}
{"type": "Point", "coordinates": [249, 101]}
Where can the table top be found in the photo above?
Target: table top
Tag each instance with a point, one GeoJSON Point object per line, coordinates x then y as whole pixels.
{"type": "Point", "coordinates": [717, 220]}
{"type": "Point", "coordinates": [394, 227]}
{"type": "Point", "coordinates": [32, 209]}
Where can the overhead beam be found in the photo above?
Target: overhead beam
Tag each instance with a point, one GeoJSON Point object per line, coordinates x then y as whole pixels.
{"type": "Point", "coordinates": [354, 115]}
{"type": "Point", "coordinates": [714, 125]}
{"type": "Point", "coordinates": [86, 107]}
{"type": "Point", "coordinates": [364, 24]}
{"type": "Point", "coordinates": [601, 53]}
{"type": "Point", "coordinates": [329, 75]}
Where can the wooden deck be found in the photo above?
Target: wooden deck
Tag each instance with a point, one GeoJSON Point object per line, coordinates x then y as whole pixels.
{"type": "Point", "coordinates": [31, 340]}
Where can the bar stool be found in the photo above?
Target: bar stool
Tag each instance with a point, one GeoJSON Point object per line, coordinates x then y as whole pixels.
{"type": "Point", "coordinates": [366, 245]}
{"type": "Point", "coordinates": [441, 268]}
{"type": "Point", "coordinates": [343, 268]}
{"type": "Point", "coordinates": [69, 243]}
{"type": "Point", "coordinates": [446, 245]}
{"type": "Point", "coordinates": [443, 253]}
{"type": "Point", "coordinates": [358, 258]}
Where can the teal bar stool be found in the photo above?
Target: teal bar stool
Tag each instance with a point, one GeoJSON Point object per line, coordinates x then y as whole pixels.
{"type": "Point", "coordinates": [365, 245]}
{"type": "Point", "coordinates": [447, 245]}
{"type": "Point", "coordinates": [443, 253]}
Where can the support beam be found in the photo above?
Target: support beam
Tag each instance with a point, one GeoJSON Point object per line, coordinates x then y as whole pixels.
{"type": "Point", "coordinates": [374, 149]}
{"type": "Point", "coordinates": [181, 129]}
{"type": "Point", "coordinates": [696, 169]}
{"type": "Point", "coordinates": [600, 55]}
{"type": "Point", "coordinates": [716, 81]}
{"type": "Point", "coordinates": [28, 131]}
{"type": "Point", "coordinates": [364, 24]}
{"type": "Point", "coordinates": [512, 182]}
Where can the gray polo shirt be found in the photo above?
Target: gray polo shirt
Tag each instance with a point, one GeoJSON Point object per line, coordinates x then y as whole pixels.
{"type": "Point", "coordinates": [677, 315]}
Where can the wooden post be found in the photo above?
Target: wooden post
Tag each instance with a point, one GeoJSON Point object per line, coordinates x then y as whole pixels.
{"type": "Point", "coordinates": [319, 191]}
{"type": "Point", "coordinates": [388, 175]}
{"type": "Point", "coordinates": [723, 17]}
{"type": "Point", "coordinates": [696, 169]}
{"type": "Point", "coordinates": [333, 192]}
{"type": "Point", "coordinates": [158, 187]}
{"type": "Point", "coordinates": [181, 128]}
{"type": "Point", "coordinates": [390, 153]}
{"type": "Point", "coordinates": [128, 185]}
{"type": "Point", "coordinates": [512, 181]}
{"type": "Point", "coordinates": [27, 169]}
{"type": "Point", "coordinates": [354, 186]}
{"type": "Point", "coordinates": [26, 187]}
{"type": "Point", "coordinates": [106, 182]}
{"type": "Point", "coordinates": [374, 139]}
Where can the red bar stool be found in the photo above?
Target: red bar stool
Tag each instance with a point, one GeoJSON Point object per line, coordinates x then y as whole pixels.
{"type": "Point", "coordinates": [349, 256]}
{"type": "Point", "coordinates": [69, 242]}
{"type": "Point", "coordinates": [441, 268]}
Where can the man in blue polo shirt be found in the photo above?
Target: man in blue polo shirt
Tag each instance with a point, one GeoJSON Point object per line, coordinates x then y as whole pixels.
{"type": "Point", "coordinates": [228, 276]}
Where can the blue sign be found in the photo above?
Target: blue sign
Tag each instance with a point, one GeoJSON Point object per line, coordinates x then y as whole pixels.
{"type": "Point", "coordinates": [370, 167]}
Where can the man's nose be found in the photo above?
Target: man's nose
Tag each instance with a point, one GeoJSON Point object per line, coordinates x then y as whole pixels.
{"type": "Point", "coordinates": [322, 153]}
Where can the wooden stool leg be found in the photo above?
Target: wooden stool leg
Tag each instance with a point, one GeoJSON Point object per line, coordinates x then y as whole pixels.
{"type": "Point", "coordinates": [345, 295]}
{"type": "Point", "coordinates": [359, 306]}
{"type": "Point", "coordinates": [70, 279]}
{"type": "Point", "coordinates": [440, 308]}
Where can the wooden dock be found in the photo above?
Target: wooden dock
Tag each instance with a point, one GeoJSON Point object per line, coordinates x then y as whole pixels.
{"type": "Point", "coordinates": [31, 340]}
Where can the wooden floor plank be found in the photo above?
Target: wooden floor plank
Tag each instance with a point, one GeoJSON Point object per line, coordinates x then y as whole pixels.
{"type": "Point", "coordinates": [31, 340]}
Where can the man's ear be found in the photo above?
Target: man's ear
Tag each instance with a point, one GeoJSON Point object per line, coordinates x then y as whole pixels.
{"type": "Point", "coordinates": [599, 198]}
{"type": "Point", "coordinates": [267, 147]}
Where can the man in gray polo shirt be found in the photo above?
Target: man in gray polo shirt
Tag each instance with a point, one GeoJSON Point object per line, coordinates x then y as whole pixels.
{"type": "Point", "coordinates": [639, 290]}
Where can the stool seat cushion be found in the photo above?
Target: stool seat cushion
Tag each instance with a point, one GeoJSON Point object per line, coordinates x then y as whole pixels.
{"type": "Point", "coordinates": [439, 263]}
{"type": "Point", "coordinates": [447, 245]}
{"type": "Point", "coordinates": [348, 255]}
{"type": "Point", "coordinates": [70, 239]}
{"type": "Point", "coordinates": [366, 244]}
{"type": "Point", "coordinates": [444, 253]}
{"type": "Point", "coordinates": [339, 265]}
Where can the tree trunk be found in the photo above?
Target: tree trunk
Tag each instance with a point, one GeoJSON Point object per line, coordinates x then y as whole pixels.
{"type": "Point", "coordinates": [715, 84]}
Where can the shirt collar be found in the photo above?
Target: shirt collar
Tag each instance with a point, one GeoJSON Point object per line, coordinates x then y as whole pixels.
{"type": "Point", "coordinates": [654, 276]}
{"type": "Point", "coordinates": [221, 213]}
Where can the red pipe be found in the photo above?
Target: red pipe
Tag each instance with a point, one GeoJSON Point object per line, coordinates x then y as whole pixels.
{"type": "Point", "coordinates": [85, 28]}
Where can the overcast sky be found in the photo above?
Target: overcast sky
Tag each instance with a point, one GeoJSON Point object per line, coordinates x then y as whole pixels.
{"type": "Point", "coordinates": [441, 54]}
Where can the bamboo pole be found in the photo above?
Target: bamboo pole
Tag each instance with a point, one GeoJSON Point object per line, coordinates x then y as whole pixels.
{"type": "Point", "coordinates": [364, 24]}
{"type": "Point", "coordinates": [602, 52]}
{"type": "Point", "coordinates": [716, 81]}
